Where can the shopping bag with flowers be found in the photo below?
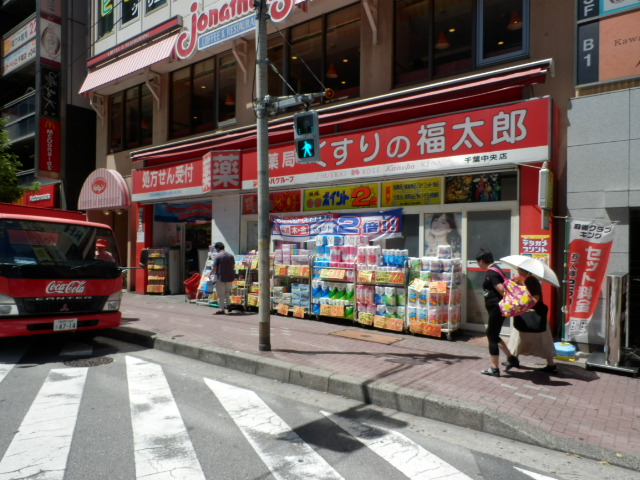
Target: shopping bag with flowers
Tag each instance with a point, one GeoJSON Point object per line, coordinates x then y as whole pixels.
{"type": "Point", "coordinates": [517, 299]}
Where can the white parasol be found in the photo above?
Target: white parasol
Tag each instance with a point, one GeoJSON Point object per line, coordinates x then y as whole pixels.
{"type": "Point", "coordinates": [534, 266]}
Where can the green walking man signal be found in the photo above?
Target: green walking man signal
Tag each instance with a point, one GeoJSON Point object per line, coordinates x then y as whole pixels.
{"type": "Point", "coordinates": [306, 136]}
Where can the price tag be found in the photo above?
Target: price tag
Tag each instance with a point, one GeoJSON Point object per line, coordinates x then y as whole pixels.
{"type": "Point", "coordinates": [294, 271]}
{"type": "Point", "coordinates": [365, 276]}
{"type": "Point", "coordinates": [283, 309]}
{"type": "Point", "coordinates": [332, 310]}
{"type": "Point", "coordinates": [396, 324]}
{"type": "Point", "coordinates": [380, 322]}
{"type": "Point", "coordinates": [432, 329]}
{"type": "Point", "coordinates": [304, 271]}
{"type": "Point", "coordinates": [253, 300]}
{"type": "Point", "coordinates": [365, 318]}
{"type": "Point", "coordinates": [418, 284]}
{"type": "Point", "coordinates": [298, 312]}
{"type": "Point", "coordinates": [254, 263]}
{"type": "Point", "coordinates": [333, 273]}
{"type": "Point", "coordinates": [396, 278]}
{"type": "Point", "coordinates": [281, 270]}
{"type": "Point", "coordinates": [236, 299]}
{"type": "Point", "coordinates": [438, 287]}
{"type": "Point", "coordinates": [383, 277]}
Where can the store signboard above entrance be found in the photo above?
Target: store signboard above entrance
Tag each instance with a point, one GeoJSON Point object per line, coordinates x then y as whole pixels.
{"type": "Point", "coordinates": [375, 225]}
{"type": "Point", "coordinates": [343, 197]}
{"type": "Point", "coordinates": [222, 21]}
{"type": "Point", "coordinates": [225, 168]}
{"type": "Point", "coordinates": [502, 135]}
{"type": "Point", "coordinates": [170, 181]}
{"type": "Point", "coordinates": [426, 191]}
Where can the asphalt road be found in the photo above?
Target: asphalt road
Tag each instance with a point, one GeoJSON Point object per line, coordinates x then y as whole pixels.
{"type": "Point", "coordinates": [77, 407]}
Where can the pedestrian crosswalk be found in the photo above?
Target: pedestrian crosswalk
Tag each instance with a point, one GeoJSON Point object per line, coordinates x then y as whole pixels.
{"type": "Point", "coordinates": [162, 443]}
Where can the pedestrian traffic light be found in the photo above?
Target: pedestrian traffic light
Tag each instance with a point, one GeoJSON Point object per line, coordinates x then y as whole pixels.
{"type": "Point", "coordinates": [306, 136]}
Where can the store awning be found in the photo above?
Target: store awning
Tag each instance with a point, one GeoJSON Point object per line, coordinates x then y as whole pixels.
{"type": "Point", "coordinates": [140, 59]}
{"type": "Point", "coordinates": [104, 189]}
{"type": "Point", "coordinates": [475, 91]}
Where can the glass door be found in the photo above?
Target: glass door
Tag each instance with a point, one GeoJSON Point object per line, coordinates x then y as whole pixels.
{"type": "Point", "coordinates": [492, 231]}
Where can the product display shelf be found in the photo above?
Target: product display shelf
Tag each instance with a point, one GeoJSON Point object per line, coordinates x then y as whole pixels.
{"type": "Point", "coordinates": [238, 295]}
{"type": "Point", "coordinates": [251, 280]}
{"type": "Point", "coordinates": [291, 290]}
{"type": "Point", "coordinates": [157, 272]}
{"type": "Point", "coordinates": [333, 292]}
{"type": "Point", "coordinates": [206, 287]}
{"type": "Point", "coordinates": [381, 293]}
{"type": "Point", "coordinates": [435, 298]}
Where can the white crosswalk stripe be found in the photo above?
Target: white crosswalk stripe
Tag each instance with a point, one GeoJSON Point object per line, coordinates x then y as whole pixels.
{"type": "Point", "coordinates": [163, 449]}
{"type": "Point", "coordinates": [40, 448]}
{"type": "Point", "coordinates": [160, 446]}
{"type": "Point", "coordinates": [401, 452]}
{"type": "Point", "coordinates": [281, 449]}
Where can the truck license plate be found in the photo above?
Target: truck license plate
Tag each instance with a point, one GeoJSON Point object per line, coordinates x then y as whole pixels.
{"type": "Point", "coordinates": [66, 324]}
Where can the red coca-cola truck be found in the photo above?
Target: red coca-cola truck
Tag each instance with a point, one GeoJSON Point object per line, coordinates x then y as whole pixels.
{"type": "Point", "coordinates": [58, 272]}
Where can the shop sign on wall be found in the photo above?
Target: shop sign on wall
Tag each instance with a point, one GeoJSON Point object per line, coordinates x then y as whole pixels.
{"type": "Point", "coordinates": [341, 197]}
{"type": "Point", "coordinates": [279, 202]}
{"type": "Point", "coordinates": [473, 188]}
{"type": "Point", "coordinates": [507, 134]}
{"type": "Point", "coordinates": [49, 151]}
{"type": "Point", "coordinates": [225, 168]}
{"type": "Point", "coordinates": [412, 192]}
{"type": "Point", "coordinates": [536, 246]}
{"type": "Point", "coordinates": [375, 226]}
{"type": "Point", "coordinates": [608, 48]}
{"type": "Point", "coordinates": [180, 180]}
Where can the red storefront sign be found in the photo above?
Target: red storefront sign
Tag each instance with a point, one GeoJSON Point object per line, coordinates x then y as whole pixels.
{"type": "Point", "coordinates": [46, 197]}
{"type": "Point", "coordinates": [590, 244]}
{"type": "Point", "coordinates": [225, 168]}
{"type": "Point", "coordinates": [49, 148]}
{"type": "Point", "coordinates": [280, 202]}
{"type": "Point", "coordinates": [171, 181]}
{"type": "Point", "coordinates": [506, 134]}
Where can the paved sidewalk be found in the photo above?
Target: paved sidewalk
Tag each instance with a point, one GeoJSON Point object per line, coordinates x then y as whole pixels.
{"type": "Point", "coordinates": [595, 414]}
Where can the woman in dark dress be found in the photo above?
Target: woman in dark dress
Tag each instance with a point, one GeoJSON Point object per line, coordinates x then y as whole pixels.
{"type": "Point", "coordinates": [493, 290]}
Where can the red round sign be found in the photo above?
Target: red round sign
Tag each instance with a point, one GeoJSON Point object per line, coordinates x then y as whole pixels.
{"type": "Point", "coordinates": [99, 185]}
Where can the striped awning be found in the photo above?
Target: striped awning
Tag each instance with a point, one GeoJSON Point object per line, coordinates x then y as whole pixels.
{"type": "Point", "coordinates": [104, 189]}
{"type": "Point", "coordinates": [138, 60]}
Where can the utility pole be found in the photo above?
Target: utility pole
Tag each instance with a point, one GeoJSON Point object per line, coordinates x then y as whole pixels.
{"type": "Point", "coordinates": [262, 129]}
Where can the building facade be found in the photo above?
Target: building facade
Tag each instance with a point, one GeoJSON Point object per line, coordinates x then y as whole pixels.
{"type": "Point", "coordinates": [51, 126]}
{"type": "Point", "coordinates": [439, 109]}
{"type": "Point", "coordinates": [603, 136]}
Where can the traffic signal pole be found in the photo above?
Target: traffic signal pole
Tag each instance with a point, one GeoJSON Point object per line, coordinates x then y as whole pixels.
{"type": "Point", "coordinates": [262, 129]}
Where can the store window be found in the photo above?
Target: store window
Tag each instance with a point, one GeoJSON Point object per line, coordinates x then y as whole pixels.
{"type": "Point", "coordinates": [153, 5]}
{"type": "Point", "coordinates": [130, 10]}
{"type": "Point", "coordinates": [200, 99]}
{"type": "Point", "coordinates": [322, 53]}
{"type": "Point", "coordinates": [105, 17]}
{"type": "Point", "coordinates": [436, 38]}
{"type": "Point", "coordinates": [130, 118]}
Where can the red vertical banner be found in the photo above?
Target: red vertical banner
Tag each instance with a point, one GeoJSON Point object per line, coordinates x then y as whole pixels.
{"type": "Point", "coordinates": [49, 157]}
{"type": "Point", "coordinates": [589, 249]}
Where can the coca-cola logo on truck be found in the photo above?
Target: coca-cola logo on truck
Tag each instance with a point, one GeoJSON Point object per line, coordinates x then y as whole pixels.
{"type": "Point", "coordinates": [66, 287]}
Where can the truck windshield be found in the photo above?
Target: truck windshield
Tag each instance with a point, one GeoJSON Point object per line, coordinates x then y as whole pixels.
{"type": "Point", "coordinates": [37, 249]}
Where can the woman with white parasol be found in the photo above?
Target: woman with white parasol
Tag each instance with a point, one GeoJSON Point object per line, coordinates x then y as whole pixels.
{"type": "Point", "coordinates": [529, 343]}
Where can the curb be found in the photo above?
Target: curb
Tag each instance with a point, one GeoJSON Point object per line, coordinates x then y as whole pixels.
{"type": "Point", "coordinates": [403, 399]}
